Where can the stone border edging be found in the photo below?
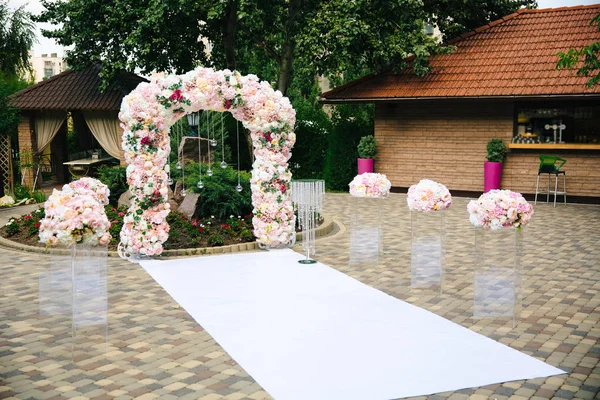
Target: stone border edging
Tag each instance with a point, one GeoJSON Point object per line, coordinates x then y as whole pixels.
{"type": "Point", "coordinates": [324, 229]}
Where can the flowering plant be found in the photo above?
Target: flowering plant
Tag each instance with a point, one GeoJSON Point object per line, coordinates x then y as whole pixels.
{"type": "Point", "coordinates": [499, 209]}
{"type": "Point", "coordinates": [147, 114]}
{"type": "Point", "coordinates": [370, 185]}
{"type": "Point", "coordinates": [428, 195]}
{"type": "Point", "coordinates": [71, 217]}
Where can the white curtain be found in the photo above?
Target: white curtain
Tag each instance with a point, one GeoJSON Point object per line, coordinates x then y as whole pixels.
{"type": "Point", "coordinates": [105, 128]}
{"type": "Point", "coordinates": [47, 124]}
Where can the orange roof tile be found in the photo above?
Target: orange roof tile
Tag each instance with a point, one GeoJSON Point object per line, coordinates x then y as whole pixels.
{"type": "Point", "coordinates": [75, 90]}
{"type": "Point", "coordinates": [513, 56]}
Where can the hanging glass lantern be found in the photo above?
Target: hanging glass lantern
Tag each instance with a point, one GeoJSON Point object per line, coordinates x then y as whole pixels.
{"type": "Point", "coordinates": [239, 188]}
{"type": "Point", "coordinates": [178, 165]}
{"type": "Point", "coordinates": [209, 172]}
{"type": "Point", "coordinates": [200, 184]}
{"type": "Point", "coordinates": [223, 164]}
{"type": "Point", "coordinates": [183, 192]}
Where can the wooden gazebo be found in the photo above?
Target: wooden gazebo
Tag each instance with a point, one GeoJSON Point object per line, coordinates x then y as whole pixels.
{"type": "Point", "coordinates": [44, 109]}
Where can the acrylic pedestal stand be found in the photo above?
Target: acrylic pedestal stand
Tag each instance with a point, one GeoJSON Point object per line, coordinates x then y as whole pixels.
{"type": "Point", "coordinates": [366, 230]}
{"type": "Point", "coordinates": [73, 299]}
{"type": "Point", "coordinates": [498, 273]}
{"type": "Point", "coordinates": [427, 264]}
{"type": "Point", "coordinates": [307, 196]}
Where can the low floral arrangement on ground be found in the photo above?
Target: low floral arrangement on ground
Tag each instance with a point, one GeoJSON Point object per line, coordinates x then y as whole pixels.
{"type": "Point", "coordinates": [499, 209]}
{"type": "Point", "coordinates": [76, 214]}
{"type": "Point", "coordinates": [186, 234]}
{"type": "Point", "coordinates": [428, 195]}
{"type": "Point", "coordinates": [147, 114]}
{"type": "Point", "coordinates": [370, 185]}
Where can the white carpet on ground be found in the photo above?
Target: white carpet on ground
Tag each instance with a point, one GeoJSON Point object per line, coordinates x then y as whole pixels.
{"type": "Point", "coordinates": [311, 332]}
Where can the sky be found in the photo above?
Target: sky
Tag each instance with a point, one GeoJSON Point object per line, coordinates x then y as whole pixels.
{"type": "Point", "coordinates": [46, 45]}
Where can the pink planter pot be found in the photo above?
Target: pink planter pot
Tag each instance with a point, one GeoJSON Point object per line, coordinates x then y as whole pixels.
{"type": "Point", "coordinates": [492, 175]}
{"type": "Point", "coordinates": [365, 165]}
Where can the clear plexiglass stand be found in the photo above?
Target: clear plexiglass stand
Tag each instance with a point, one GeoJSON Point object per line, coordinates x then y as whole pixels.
{"type": "Point", "coordinates": [73, 299]}
{"type": "Point", "coordinates": [427, 261]}
{"type": "Point", "coordinates": [498, 273]}
{"type": "Point", "coordinates": [366, 230]}
{"type": "Point", "coordinates": [307, 196]}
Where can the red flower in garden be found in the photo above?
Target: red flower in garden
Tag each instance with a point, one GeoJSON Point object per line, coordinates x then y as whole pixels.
{"type": "Point", "coordinates": [200, 229]}
{"type": "Point", "coordinates": [146, 140]}
{"type": "Point", "coordinates": [195, 222]}
{"type": "Point", "coordinates": [227, 104]}
{"type": "Point", "coordinates": [121, 214]}
{"type": "Point", "coordinates": [176, 96]}
{"type": "Point", "coordinates": [267, 136]}
{"type": "Point", "coordinates": [37, 224]}
{"type": "Point", "coordinates": [27, 217]}
{"type": "Point", "coordinates": [225, 226]}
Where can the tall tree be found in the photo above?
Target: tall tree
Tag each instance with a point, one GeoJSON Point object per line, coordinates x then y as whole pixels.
{"type": "Point", "coordinates": [17, 36]}
{"type": "Point", "coordinates": [284, 38]}
{"type": "Point", "coordinates": [585, 59]}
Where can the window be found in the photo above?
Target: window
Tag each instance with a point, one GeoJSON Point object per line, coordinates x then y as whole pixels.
{"type": "Point", "coordinates": [557, 123]}
{"type": "Point", "coordinates": [48, 72]}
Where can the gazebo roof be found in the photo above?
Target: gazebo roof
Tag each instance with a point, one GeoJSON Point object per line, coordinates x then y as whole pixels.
{"type": "Point", "coordinates": [514, 56]}
{"type": "Point", "coordinates": [75, 90]}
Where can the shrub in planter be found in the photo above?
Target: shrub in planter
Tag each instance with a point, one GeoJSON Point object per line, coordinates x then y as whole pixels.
{"type": "Point", "coordinates": [492, 168]}
{"type": "Point", "coordinates": [496, 150]}
{"type": "Point", "coordinates": [367, 147]}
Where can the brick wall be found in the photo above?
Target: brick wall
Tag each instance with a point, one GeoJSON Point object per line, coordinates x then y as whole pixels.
{"type": "Point", "coordinates": [445, 141]}
{"type": "Point", "coordinates": [26, 147]}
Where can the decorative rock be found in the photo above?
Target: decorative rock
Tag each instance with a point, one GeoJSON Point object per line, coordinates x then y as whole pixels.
{"type": "Point", "coordinates": [189, 203]}
{"type": "Point", "coordinates": [6, 201]}
{"type": "Point", "coordinates": [124, 199]}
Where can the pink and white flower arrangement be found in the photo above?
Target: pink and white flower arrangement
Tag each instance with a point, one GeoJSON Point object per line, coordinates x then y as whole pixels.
{"type": "Point", "coordinates": [499, 209]}
{"type": "Point", "coordinates": [147, 114]}
{"type": "Point", "coordinates": [73, 217]}
{"type": "Point", "coordinates": [428, 195]}
{"type": "Point", "coordinates": [91, 187]}
{"type": "Point", "coordinates": [370, 185]}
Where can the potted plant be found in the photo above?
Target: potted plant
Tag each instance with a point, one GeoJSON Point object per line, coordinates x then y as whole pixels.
{"type": "Point", "coordinates": [367, 148]}
{"type": "Point", "coordinates": [492, 168]}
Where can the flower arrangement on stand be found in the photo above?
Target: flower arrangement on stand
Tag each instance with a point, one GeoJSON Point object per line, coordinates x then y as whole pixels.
{"type": "Point", "coordinates": [76, 215]}
{"type": "Point", "coordinates": [147, 114]}
{"type": "Point", "coordinates": [499, 209]}
{"type": "Point", "coordinates": [370, 185]}
{"type": "Point", "coordinates": [427, 201]}
{"type": "Point", "coordinates": [428, 195]}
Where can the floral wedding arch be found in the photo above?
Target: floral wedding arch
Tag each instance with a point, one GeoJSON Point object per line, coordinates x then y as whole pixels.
{"type": "Point", "coordinates": [147, 114]}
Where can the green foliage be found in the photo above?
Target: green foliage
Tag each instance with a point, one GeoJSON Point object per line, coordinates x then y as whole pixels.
{"type": "Point", "coordinates": [585, 59]}
{"type": "Point", "coordinates": [350, 123]}
{"type": "Point", "coordinates": [12, 227]}
{"type": "Point", "coordinates": [219, 196]}
{"type": "Point", "coordinates": [17, 36]}
{"type": "Point", "coordinates": [116, 179]}
{"type": "Point", "coordinates": [216, 240]}
{"type": "Point", "coordinates": [115, 216]}
{"type": "Point", "coordinates": [496, 150]}
{"type": "Point", "coordinates": [310, 151]}
{"type": "Point", "coordinates": [39, 196]}
{"type": "Point", "coordinates": [247, 235]}
{"type": "Point", "coordinates": [22, 192]}
{"type": "Point", "coordinates": [367, 147]}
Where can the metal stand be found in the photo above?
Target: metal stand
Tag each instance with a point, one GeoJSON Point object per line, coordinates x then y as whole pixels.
{"type": "Point", "coordinates": [307, 196]}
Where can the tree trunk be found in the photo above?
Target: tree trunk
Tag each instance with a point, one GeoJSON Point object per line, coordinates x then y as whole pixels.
{"type": "Point", "coordinates": [229, 32]}
{"type": "Point", "coordinates": [285, 69]}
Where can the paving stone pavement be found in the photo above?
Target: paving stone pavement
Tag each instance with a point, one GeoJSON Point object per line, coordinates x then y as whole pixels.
{"type": "Point", "coordinates": [155, 349]}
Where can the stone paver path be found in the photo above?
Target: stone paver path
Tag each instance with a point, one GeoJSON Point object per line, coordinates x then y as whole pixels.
{"type": "Point", "coordinates": [155, 349]}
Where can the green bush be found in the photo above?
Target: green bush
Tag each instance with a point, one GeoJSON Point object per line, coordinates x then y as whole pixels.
{"type": "Point", "coordinates": [116, 180]}
{"type": "Point", "coordinates": [367, 148]}
{"type": "Point", "coordinates": [496, 150]}
{"type": "Point", "coordinates": [216, 240]}
{"type": "Point", "coordinates": [39, 196]}
{"type": "Point", "coordinates": [21, 192]}
{"type": "Point", "coordinates": [219, 196]}
{"type": "Point", "coordinates": [13, 227]}
{"type": "Point", "coordinates": [350, 123]}
{"type": "Point", "coordinates": [310, 151]}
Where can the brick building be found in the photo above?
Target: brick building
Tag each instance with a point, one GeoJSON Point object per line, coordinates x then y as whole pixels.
{"type": "Point", "coordinates": [501, 82]}
{"type": "Point", "coordinates": [70, 98]}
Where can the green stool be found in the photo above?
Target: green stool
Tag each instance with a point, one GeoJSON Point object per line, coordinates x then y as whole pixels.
{"type": "Point", "coordinates": [548, 165]}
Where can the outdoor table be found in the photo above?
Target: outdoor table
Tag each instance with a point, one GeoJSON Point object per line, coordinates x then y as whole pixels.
{"type": "Point", "coordinates": [81, 167]}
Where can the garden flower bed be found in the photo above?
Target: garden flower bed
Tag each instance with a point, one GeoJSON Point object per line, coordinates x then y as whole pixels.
{"type": "Point", "coordinates": [184, 233]}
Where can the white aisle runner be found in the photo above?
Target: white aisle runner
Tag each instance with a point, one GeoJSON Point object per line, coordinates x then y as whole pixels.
{"type": "Point", "coordinates": [311, 332]}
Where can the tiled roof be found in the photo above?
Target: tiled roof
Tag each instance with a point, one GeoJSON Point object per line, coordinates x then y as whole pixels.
{"type": "Point", "coordinates": [513, 56]}
{"type": "Point", "coordinates": [75, 90]}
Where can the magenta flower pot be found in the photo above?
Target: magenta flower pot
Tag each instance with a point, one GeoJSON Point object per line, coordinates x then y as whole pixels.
{"type": "Point", "coordinates": [365, 165]}
{"type": "Point", "coordinates": [492, 175]}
